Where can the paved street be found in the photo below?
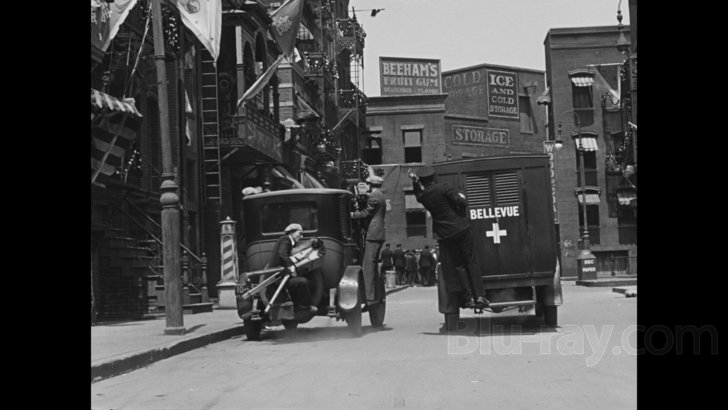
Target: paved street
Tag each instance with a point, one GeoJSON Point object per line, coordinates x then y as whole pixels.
{"type": "Point", "coordinates": [589, 361]}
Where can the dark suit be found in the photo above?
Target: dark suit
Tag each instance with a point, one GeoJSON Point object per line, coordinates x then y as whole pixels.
{"type": "Point", "coordinates": [375, 210]}
{"type": "Point", "coordinates": [427, 266]}
{"type": "Point", "coordinates": [399, 263]}
{"type": "Point", "coordinates": [387, 262]}
{"type": "Point", "coordinates": [452, 230]}
{"type": "Point", "coordinates": [297, 286]}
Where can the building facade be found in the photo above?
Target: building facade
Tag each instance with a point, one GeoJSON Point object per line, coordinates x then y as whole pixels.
{"type": "Point", "coordinates": [587, 108]}
{"type": "Point", "coordinates": [484, 110]}
{"type": "Point", "coordinates": [303, 124]}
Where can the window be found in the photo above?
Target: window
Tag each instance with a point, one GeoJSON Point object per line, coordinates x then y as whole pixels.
{"type": "Point", "coordinates": [582, 95]}
{"type": "Point", "coordinates": [415, 215]}
{"type": "Point", "coordinates": [592, 217]}
{"type": "Point", "coordinates": [372, 152]}
{"type": "Point", "coordinates": [590, 168]}
{"type": "Point", "coordinates": [526, 115]}
{"type": "Point", "coordinates": [613, 182]}
{"type": "Point", "coordinates": [275, 217]}
{"type": "Point", "coordinates": [412, 145]}
{"type": "Point", "coordinates": [627, 225]}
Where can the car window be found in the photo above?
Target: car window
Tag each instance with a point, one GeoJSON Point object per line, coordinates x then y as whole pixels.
{"type": "Point", "coordinates": [275, 217]}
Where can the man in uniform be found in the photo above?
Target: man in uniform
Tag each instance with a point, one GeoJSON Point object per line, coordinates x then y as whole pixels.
{"type": "Point", "coordinates": [374, 211]}
{"type": "Point", "coordinates": [452, 229]}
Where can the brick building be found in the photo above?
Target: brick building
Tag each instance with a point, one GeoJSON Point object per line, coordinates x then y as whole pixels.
{"type": "Point", "coordinates": [585, 98]}
{"type": "Point", "coordinates": [483, 110]}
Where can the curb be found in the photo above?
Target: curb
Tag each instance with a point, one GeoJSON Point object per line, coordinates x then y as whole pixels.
{"type": "Point", "coordinates": [134, 361]}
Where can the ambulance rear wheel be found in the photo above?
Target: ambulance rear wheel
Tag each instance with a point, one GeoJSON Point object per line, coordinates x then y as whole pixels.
{"type": "Point", "coordinates": [550, 315]}
{"type": "Point", "coordinates": [451, 321]}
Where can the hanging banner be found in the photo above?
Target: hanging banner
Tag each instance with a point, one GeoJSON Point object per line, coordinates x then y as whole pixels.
{"type": "Point", "coordinates": [106, 18]}
{"type": "Point", "coordinates": [502, 94]}
{"type": "Point", "coordinates": [286, 20]}
{"type": "Point", "coordinates": [204, 19]}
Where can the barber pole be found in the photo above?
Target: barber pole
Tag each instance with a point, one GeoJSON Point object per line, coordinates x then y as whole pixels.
{"type": "Point", "coordinates": [229, 268]}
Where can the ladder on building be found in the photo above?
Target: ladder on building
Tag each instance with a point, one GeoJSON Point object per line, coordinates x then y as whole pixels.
{"type": "Point", "coordinates": [210, 130]}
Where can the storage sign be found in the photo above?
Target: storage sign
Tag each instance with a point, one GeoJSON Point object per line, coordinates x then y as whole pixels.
{"type": "Point", "coordinates": [409, 76]}
{"type": "Point", "coordinates": [467, 135]}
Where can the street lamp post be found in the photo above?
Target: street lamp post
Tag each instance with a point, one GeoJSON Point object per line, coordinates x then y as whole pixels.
{"type": "Point", "coordinates": [586, 261]}
{"type": "Point", "coordinates": [169, 198]}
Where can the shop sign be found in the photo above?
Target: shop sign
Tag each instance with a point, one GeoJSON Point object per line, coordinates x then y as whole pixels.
{"type": "Point", "coordinates": [409, 76]}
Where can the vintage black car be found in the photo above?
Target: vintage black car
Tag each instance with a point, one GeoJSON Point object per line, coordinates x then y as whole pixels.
{"type": "Point", "coordinates": [329, 255]}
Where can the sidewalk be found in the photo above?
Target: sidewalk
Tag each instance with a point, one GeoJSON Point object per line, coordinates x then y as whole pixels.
{"type": "Point", "coordinates": [120, 347]}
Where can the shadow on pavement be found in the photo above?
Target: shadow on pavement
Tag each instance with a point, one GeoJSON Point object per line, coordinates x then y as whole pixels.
{"type": "Point", "coordinates": [280, 335]}
{"type": "Point", "coordinates": [511, 326]}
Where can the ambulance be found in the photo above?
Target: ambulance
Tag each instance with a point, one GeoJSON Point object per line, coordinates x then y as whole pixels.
{"type": "Point", "coordinates": [511, 213]}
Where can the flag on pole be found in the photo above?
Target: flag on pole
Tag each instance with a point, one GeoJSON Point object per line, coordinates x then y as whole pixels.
{"type": "Point", "coordinates": [204, 19]}
{"type": "Point", "coordinates": [106, 18]}
{"type": "Point", "coordinates": [261, 82]}
{"type": "Point", "coordinates": [286, 20]}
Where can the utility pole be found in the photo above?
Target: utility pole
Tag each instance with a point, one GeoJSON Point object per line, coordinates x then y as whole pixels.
{"type": "Point", "coordinates": [169, 198]}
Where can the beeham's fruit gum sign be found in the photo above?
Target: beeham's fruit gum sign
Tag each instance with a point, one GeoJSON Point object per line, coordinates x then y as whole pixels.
{"type": "Point", "coordinates": [409, 76]}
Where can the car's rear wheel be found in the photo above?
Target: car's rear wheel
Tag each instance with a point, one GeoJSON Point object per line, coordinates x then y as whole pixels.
{"type": "Point", "coordinates": [550, 315]}
{"type": "Point", "coordinates": [252, 328]}
{"type": "Point", "coordinates": [290, 324]}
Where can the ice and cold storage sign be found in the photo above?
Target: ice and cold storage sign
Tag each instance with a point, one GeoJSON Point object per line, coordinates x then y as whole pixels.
{"type": "Point", "coordinates": [409, 76]}
{"type": "Point", "coordinates": [502, 94]}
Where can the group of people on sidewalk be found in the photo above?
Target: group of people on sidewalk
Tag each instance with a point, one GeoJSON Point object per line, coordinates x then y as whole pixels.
{"type": "Point", "coordinates": [411, 266]}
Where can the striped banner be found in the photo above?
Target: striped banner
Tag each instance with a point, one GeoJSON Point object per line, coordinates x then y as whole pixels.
{"type": "Point", "coordinates": [112, 131]}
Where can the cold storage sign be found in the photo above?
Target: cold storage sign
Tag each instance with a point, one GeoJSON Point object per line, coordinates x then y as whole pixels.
{"type": "Point", "coordinates": [408, 76]}
{"type": "Point", "coordinates": [502, 94]}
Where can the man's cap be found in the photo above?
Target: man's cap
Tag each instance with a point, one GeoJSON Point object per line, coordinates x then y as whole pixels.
{"type": "Point", "coordinates": [425, 172]}
{"type": "Point", "coordinates": [375, 179]}
{"type": "Point", "coordinates": [293, 227]}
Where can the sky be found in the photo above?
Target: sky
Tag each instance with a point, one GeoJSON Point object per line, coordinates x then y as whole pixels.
{"type": "Point", "coordinates": [465, 33]}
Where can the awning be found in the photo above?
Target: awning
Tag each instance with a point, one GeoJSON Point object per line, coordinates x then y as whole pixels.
{"type": "Point", "coordinates": [283, 174]}
{"type": "Point", "coordinates": [309, 181]}
{"type": "Point", "coordinates": [103, 100]}
{"type": "Point", "coordinates": [545, 97]}
{"type": "Point", "coordinates": [627, 197]}
{"type": "Point", "coordinates": [591, 199]}
{"type": "Point", "coordinates": [582, 81]}
{"type": "Point", "coordinates": [411, 204]}
{"type": "Point", "coordinates": [590, 143]}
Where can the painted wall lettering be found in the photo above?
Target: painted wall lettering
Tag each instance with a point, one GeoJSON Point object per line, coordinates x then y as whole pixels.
{"type": "Point", "coordinates": [466, 135]}
{"type": "Point", "coordinates": [502, 94]}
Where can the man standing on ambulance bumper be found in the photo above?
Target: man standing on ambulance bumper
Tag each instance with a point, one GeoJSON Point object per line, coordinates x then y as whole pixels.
{"type": "Point", "coordinates": [452, 230]}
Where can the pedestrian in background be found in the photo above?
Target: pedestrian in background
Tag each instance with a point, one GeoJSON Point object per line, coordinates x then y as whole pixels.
{"type": "Point", "coordinates": [410, 267]}
{"type": "Point", "coordinates": [387, 259]}
{"type": "Point", "coordinates": [399, 262]}
{"type": "Point", "coordinates": [427, 266]}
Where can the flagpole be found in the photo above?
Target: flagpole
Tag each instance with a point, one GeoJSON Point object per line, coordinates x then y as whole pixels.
{"type": "Point", "coordinates": [169, 198]}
